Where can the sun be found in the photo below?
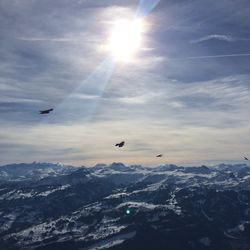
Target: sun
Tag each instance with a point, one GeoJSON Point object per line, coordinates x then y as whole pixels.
{"type": "Point", "coordinates": [125, 39]}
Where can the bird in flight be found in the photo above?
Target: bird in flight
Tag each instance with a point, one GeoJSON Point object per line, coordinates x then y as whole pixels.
{"type": "Point", "coordinates": [47, 111]}
{"type": "Point", "coordinates": [159, 156]}
{"type": "Point", "coordinates": [121, 144]}
{"type": "Point", "coordinates": [246, 158]}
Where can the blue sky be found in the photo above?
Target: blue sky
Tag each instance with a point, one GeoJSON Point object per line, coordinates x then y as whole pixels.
{"type": "Point", "coordinates": [178, 97]}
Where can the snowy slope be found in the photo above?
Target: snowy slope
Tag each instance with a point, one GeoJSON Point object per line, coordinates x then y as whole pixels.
{"type": "Point", "coordinates": [124, 207]}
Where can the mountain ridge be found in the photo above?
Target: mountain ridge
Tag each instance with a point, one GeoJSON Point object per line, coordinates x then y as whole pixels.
{"type": "Point", "coordinates": [118, 207]}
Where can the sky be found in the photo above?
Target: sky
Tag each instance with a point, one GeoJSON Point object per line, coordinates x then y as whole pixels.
{"type": "Point", "coordinates": [185, 94]}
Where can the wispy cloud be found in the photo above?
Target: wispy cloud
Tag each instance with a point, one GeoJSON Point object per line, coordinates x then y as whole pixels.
{"type": "Point", "coordinates": [213, 56]}
{"type": "Point", "coordinates": [226, 38]}
{"type": "Point", "coordinates": [74, 39]}
{"type": "Point", "coordinates": [214, 37]}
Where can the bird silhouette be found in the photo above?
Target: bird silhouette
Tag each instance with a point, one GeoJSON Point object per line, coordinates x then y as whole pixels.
{"type": "Point", "coordinates": [159, 156]}
{"type": "Point", "coordinates": [245, 158]}
{"type": "Point", "coordinates": [120, 145]}
{"type": "Point", "coordinates": [47, 111]}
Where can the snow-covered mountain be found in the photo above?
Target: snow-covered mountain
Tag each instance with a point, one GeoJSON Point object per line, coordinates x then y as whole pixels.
{"type": "Point", "coordinates": [51, 206]}
{"type": "Point", "coordinates": [31, 171]}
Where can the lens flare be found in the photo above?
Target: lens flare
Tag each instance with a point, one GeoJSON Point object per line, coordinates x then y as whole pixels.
{"type": "Point", "coordinates": [128, 211]}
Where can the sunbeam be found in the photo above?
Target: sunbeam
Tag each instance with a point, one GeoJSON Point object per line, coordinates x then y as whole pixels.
{"type": "Point", "coordinates": [80, 105]}
{"type": "Point", "coordinates": [145, 7]}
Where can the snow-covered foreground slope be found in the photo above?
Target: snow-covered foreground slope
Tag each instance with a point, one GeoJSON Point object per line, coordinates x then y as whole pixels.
{"type": "Point", "coordinates": [124, 207]}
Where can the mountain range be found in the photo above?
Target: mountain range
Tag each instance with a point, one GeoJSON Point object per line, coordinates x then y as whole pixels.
{"type": "Point", "coordinates": [117, 207]}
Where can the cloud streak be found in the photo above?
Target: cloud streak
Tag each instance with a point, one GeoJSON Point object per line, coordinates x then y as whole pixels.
{"type": "Point", "coordinates": [212, 56]}
{"type": "Point", "coordinates": [215, 37]}
{"type": "Point", "coordinates": [225, 38]}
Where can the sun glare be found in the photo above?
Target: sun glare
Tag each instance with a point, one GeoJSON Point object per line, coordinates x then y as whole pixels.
{"type": "Point", "coordinates": [125, 39]}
